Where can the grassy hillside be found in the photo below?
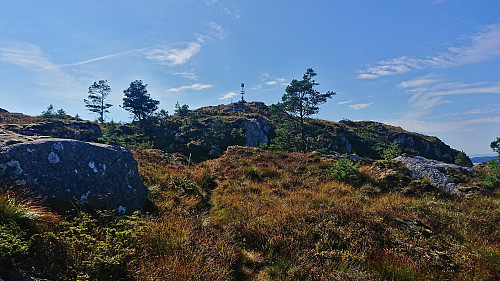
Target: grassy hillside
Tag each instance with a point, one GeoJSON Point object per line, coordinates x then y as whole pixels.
{"type": "Point", "coordinates": [208, 131]}
{"type": "Point", "coordinates": [254, 214]}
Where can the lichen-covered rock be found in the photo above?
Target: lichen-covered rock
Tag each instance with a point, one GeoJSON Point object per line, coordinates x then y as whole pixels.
{"type": "Point", "coordinates": [421, 167]}
{"type": "Point", "coordinates": [418, 145]}
{"type": "Point", "coordinates": [102, 176]}
{"type": "Point", "coordinates": [256, 131]}
{"type": "Point", "coordinates": [68, 129]}
{"type": "Point", "coordinates": [341, 144]}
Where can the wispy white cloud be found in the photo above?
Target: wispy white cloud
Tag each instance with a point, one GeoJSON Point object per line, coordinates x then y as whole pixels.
{"type": "Point", "coordinates": [51, 79]}
{"type": "Point", "coordinates": [359, 106]}
{"type": "Point", "coordinates": [188, 75]}
{"type": "Point", "coordinates": [442, 126]}
{"type": "Point", "coordinates": [345, 102]}
{"type": "Point", "coordinates": [179, 56]}
{"type": "Point", "coordinates": [418, 82]}
{"type": "Point", "coordinates": [195, 87]}
{"type": "Point", "coordinates": [218, 31]}
{"type": "Point", "coordinates": [276, 81]}
{"type": "Point", "coordinates": [174, 56]}
{"type": "Point", "coordinates": [26, 55]}
{"type": "Point", "coordinates": [482, 46]}
{"type": "Point", "coordinates": [105, 57]}
{"type": "Point", "coordinates": [270, 80]}
{"type": "Point", "coordinates": [228, 95]}
{"type": "Point", "coordinates": [494, 109]}
{"type": "Point", "coordinates": [427, 92]}
{"type": "Point", "coordinates": [225, 7]}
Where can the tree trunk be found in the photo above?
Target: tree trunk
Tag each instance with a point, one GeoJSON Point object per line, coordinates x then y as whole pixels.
{"type": "Point", "coordinates": [302, 135]}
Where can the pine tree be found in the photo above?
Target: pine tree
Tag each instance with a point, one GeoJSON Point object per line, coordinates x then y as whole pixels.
{"type": "Point", "coordinates": [301, 100]}
{"type": "Point", "coordinates": [138, 101]}
{"type": "Point", "coordinates": [96, 102]}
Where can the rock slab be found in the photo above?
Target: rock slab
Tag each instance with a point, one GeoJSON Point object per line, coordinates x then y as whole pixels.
{"type": "Point", "coordinates": [421, 167]}
{"type": "Point", "coordinates": [103, 176]}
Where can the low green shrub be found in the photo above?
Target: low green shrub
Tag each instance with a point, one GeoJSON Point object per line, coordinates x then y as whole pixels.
{"type": "Point", "coordinates": [14, 244]}
{"type": "Point", "coordinates": [492, 179]}
{"type": "Point", "coordinates": [392, 151]}
{"type": "Point", "coordinates": [100, 247]}
{"type": "Point", "coordinates": [345, 170]}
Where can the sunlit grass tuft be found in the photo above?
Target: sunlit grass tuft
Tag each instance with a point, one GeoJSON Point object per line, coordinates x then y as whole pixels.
{"type": "Point", "coordinates": [15, 206]}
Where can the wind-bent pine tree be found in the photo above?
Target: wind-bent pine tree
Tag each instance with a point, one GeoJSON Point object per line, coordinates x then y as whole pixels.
{"type": "Point", "coordinates": [301, 100]}
{"type": "Point", "coordinates": [138, 101]}
{"type": "Point", "coordinates": [96, 102]}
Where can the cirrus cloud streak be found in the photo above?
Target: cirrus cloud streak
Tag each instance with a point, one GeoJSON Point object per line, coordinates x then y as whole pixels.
{"type": "Point", "coordinates": [195, 86]}
{"type": "Point", "coordinates": [482, 46]}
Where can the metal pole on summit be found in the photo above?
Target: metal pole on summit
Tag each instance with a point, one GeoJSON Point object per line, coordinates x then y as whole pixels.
{"type": "Point", "coordinates": [242, 92]}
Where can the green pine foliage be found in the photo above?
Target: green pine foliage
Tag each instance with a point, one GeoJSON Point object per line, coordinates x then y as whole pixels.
{"type": "Point", "coordinates": [463, 160]}
{"type": "Point", "coordinates": [52, 113]}
{"type": "Point", "coordinates": [301, 101]}
{"type": "Point", "coordinates": [392, 151]}
{"type": "Point", "coordinates": [492, 179]}
{"type": "Point", "coordinates": [96, 100]}
{"type": "Point", "coordinates": [138, 101]}
{"type": "Point", "coordinates": [345, 170]}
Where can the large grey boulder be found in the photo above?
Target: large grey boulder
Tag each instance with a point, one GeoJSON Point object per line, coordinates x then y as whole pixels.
{"type": "Point", "coordinates": [421, 167]}
{"type": "Point", "coordinates": [100, 175]}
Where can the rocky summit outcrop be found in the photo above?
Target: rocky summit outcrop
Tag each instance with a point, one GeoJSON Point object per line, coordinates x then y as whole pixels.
{"type": "Point", "coordinates": [417, 144]}
{"type": "Point", "coordinates": [103, 176]}
{"type": "Point", "coordinates": [256, 131]}
{"type": "Point", "coordinates": [434, 170]}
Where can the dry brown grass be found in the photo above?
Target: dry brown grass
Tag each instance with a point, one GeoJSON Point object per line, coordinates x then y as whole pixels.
{"type": "Point", "coordinates": [261, 215]}
{"type": "Point", "coordinates": [10, 118]}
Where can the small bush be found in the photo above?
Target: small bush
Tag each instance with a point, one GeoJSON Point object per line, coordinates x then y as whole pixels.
{"type": "Point", "coordinates": [345, 170]}
{"type": "Point", "coordinates": [252, 173]}
{"type": "Point", "coordinates": [14, 244]}
{"type": "Point", "coordinates": [100, 247]}
{"type": "Point", "coordinates": [463, 160]}
{"type": "Point", "coordinates": [492, 179]}
{"type": "Point", "coordinates": [392, 151]}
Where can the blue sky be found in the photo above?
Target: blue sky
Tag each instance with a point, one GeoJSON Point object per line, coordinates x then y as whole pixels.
{"type": "Point", "coordinates": [428, 66]}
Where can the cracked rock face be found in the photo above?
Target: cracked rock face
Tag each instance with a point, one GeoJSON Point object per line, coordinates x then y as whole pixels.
{"type": "Point", "coordinates": [421, 167]}
{"type": "Point", "coordinates": [103, 176]}
{"type": "Point", "coordinates": [256, 132]}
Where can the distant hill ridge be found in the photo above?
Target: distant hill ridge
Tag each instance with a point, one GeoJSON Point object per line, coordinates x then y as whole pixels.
{"type": "Point", "coordinates": [208, 131]}
{"type": "Point", "coordinates": [483, 159]}
{"type": "Point", "coordinates": [364, 138]}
